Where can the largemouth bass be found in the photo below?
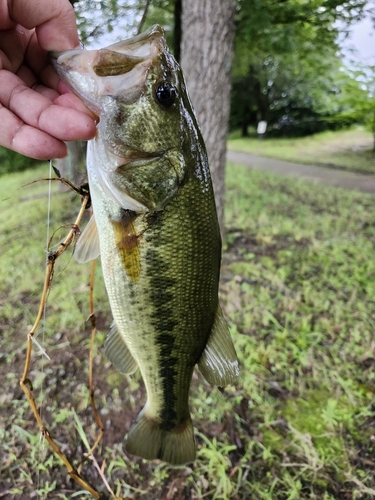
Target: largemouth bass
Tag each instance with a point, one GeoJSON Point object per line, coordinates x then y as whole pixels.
{"type": "Point", "coordinates": [155, 226]}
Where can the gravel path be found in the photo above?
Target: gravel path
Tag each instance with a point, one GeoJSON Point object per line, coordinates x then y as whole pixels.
{"type": "Point", "coordinates": [323, 175]}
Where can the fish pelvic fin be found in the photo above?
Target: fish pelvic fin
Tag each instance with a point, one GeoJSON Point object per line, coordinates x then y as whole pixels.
{"type": "Point", "coordinates": [148, 439]}
{"type": "Point", "coordinates": [117, 351]}
{"type": "Point", "coordinates": [87, 247]}
{"type": "Point", "coordinates": [218, 363]}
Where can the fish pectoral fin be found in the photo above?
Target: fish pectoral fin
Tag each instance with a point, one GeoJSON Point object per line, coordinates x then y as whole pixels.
{"type": "Point", "coordinates": [218, 363]}
{"type": "Point", "coordinates": [117, 351]}
{"type": "Point", "coordinates": [87, 247]}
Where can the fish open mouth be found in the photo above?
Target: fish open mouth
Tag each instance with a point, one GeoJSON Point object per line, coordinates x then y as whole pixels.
{"type": "Point", "coordinates": [117, 70]}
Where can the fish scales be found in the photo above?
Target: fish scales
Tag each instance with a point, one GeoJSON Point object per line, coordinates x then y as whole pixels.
{"type": "Point", "coordinates": [170, 299]}
{"type": "Point", "coordinates": [159, 239]}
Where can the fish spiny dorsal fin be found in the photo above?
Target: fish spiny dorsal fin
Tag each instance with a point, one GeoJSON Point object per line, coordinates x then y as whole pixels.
{"type": "Point", "coordinates": [148, 439]}
{"type": "Point", "coordinates": [218, 363]}
{"type": "Point", "coordinates": [117, 351]}
{"type": "Point", "coordinates": [87, 247]}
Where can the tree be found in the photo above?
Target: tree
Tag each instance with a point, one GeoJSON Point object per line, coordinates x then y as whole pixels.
{"type": "Point", "coordinates": [98, 19]}
{"type": "Point", "coordinates": [206, 55]}
{"type": "Point", "coordinates": [286, 56]}
{"type": "Point", "coordinates": [355, 99]}
{"type": "Point", "coordinates": [281, 47]}
{"type": "Point", "coordinates": [291, 91]}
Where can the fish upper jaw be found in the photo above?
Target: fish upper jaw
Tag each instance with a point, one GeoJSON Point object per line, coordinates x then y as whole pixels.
{"type": "Point", "coordinates": [119, 70]}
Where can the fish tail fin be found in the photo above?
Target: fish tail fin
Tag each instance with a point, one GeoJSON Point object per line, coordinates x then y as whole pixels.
{"type": "Point", "coordinates": [148, 439]}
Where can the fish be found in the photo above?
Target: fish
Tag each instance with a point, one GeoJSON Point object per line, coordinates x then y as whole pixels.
{"type": "Point", "coordinates": [155, 227]}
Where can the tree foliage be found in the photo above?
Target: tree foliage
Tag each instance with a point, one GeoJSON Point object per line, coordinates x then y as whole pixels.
{"type": "Point", "coordinates": [97, 19]}
{"type": "Point", "coordinates": [11, 161]}
{"type": "Point", "coordinates": [287, 62]}
{"type": "Point", "coordinates": [106, 21]}
{"type": "Point", "coordinates": [355, 100]}
{"type": "Point", "coordinates": [286, 66]}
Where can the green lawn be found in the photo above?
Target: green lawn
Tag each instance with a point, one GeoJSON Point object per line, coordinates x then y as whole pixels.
{"type": "Point", "coordinates": [349, 149]}
{"type": "Point", "coordinates": [298, 289]}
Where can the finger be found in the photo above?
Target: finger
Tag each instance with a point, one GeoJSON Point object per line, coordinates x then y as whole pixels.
{"type": "Point", "coordinates": [6, 22]}
{"type": "Point", "coordinates": [49, 77]}
{"type": "Point", "coordinates": [35, 58]}
{"type": "Point", "coordinates": [70, 100]}
{"type": "Point", "coordinates": [13, 44]}
{"type": "Point", "coordinates": [16, 135]}
{"type": "Point", "coordinates": [36, 110]}
{"type": "Point", "coordinates": [54, 21]}
{"type": "Point", "coordinates": [65, 97]}
{"type": "Point", "coordinates": [50, 94]}
{"type": "Point", "coordinates": [5, 62]}
{"type": "Point", "coordinates": [31, 81]}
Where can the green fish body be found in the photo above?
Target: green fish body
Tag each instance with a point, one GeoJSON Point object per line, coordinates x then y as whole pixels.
{"type": "Point", "coordinates": [155, 227]}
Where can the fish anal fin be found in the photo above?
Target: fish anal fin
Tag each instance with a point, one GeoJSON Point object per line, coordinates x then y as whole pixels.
{"type": "Point", "coordinates": [148, 439]}
{"type": "Point", "coordinates": [117, 351]}
{"type": "Point", "coordinates": [87, 247]}
{"type": "Point", "coordinates": [218, 363]}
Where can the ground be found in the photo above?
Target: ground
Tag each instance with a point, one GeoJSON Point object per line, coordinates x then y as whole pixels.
{"type": "Point", "coordinates": [298, 291]}
{"type": "Point", "coordinates": [313, 173]}
{"type": "Point", "coordinates": [346, 149]}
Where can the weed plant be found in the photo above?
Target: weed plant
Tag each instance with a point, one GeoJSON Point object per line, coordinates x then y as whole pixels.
{"type": "Point", "coordinates": [298, 290]}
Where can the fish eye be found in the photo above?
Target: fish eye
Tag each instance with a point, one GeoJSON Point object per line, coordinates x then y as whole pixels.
{"type": "Point", "coordinates": [166, 94]}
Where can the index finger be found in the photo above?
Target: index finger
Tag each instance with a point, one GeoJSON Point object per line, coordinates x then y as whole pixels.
{"type": "Point", "coordinates": [54, 21]}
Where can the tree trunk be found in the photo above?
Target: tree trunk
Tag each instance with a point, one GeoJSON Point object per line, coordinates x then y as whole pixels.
{"type": "Point", "coordinates": [206, 57]}
{"type": "Point", "coordinates": [177, 29]}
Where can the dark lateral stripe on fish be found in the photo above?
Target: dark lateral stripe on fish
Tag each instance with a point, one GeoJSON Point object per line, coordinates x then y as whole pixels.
{"type": "Point", "coordinates": [164, 322]}
{"type": "Point", "coordinates": [168, 373]}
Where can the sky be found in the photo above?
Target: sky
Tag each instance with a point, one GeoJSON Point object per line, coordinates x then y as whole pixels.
{"type": "Point", "coordinates": [360, 44]}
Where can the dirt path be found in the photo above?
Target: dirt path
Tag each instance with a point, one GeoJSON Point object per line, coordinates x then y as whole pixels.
{"type": "Point", "coordinates": [323, 175]}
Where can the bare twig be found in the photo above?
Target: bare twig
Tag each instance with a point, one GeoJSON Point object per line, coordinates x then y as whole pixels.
{"type": "Point", "coordinates": [25, 382]}
{"type": "Point", "coordinates": [144, 16]}
{"type": "Point", "coordinates": [91, 383]}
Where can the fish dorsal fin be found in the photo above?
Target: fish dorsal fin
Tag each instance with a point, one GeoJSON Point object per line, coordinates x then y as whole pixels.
{"type": "Point", "coordinates": [87, 247]}
{"type": "Point", "coordinates": [117, 351]}
{"type": "Point", "coordinates": [218, 363]}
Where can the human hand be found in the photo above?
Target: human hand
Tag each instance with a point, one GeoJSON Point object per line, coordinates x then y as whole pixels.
{"type": "Point", "coordinates": [37, 111]}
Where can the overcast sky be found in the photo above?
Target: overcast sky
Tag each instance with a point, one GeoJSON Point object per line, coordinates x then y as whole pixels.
{"type": "Point", "coordinates": [359, 46]}
{"type": "Point", "coordinates": [362, 41]}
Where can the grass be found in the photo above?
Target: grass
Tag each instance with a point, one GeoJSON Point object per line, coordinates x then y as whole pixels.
{"type": "Point", "coordinates": [298, 289]}
{"type": "Point", "coordinates": [348, 149]}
